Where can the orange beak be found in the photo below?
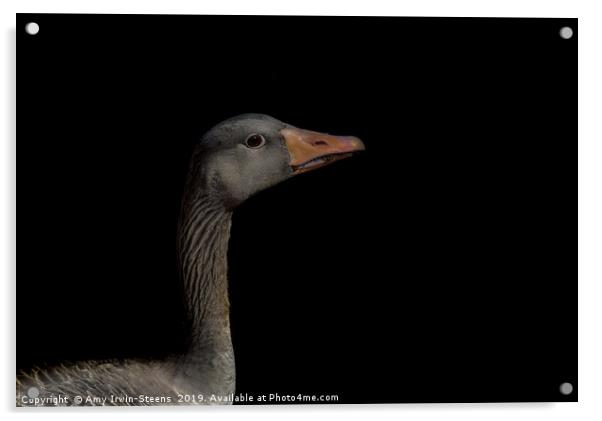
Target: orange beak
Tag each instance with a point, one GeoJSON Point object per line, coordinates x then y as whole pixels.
{"type": "Point", "coordinates": [311, 150]}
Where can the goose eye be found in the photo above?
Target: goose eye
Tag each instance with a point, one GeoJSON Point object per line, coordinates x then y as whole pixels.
{"type": "Point", "coordinates": [255, 141]}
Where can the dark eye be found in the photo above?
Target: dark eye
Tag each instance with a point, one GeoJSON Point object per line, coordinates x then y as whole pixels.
{"type": "Point", "coordinates": [255, 141]}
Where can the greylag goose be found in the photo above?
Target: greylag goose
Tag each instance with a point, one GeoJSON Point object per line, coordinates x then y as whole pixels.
{"type": "Point", "coordinates": [234, 160]}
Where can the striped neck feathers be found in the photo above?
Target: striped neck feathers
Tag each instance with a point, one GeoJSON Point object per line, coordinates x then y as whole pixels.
{"type": "Point", "coordinates": [203, 247]}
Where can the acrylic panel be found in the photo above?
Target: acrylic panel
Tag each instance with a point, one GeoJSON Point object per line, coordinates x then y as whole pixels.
{"type": "Point", "coordinates": [296, 210]}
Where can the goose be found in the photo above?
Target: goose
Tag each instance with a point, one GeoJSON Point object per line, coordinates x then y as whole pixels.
{"type": "Point", "coordinates": [234, 160]}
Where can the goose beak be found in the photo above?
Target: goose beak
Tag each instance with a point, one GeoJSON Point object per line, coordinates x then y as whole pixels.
{"type": "Point", "coordinates": [311, 150]}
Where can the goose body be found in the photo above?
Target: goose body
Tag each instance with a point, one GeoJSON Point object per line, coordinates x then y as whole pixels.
{"type": "Point", "coordinates": [234, 160]}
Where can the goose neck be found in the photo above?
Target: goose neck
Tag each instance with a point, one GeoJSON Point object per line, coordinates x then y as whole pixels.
{"type": "Point", "coordinates": [203, 244]}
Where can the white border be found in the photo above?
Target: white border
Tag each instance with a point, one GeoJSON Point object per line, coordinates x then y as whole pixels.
{"type": "Point", "coordinates": [590, 202]}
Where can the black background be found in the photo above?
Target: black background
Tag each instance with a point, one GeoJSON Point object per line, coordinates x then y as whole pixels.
{"type": "Point", "coordinates": [439, 266]}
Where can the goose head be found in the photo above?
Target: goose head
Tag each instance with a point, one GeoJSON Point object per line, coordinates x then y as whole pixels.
{"type": "Point", "coordinates": [246, 154]}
